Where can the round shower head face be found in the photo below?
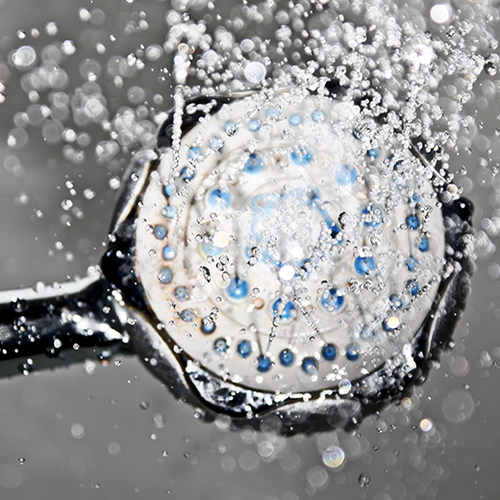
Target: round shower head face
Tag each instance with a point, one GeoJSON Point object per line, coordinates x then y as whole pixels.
{"type": "Point", "coordinates": [284, 250]}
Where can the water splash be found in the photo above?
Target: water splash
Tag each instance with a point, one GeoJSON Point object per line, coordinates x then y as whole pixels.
{"type": "Point", "coordinates": [410, 77]}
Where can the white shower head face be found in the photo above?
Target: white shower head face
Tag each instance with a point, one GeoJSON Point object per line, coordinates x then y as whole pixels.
{"type": "Point", "coordinates": [284, 250]}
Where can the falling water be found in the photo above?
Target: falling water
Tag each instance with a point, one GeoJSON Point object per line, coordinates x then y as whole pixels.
{"type": "Point", "coordinates": [421, 65]}
{"type": "Point", "coordinates": [390, 68]}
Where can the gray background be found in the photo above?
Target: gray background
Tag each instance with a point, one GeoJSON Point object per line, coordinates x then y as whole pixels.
{"type": "Point", "coordinates": [115, 432]}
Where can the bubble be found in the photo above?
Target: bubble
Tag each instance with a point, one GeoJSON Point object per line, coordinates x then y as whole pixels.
{"type": "Point", "coordinates": [255, 72]}
{"type": "Point", "coordinates": [333, 457]}
{"type": "Point", "coordinates": [24, 57]}
{"type": "Point", "coordinates": [457, 406]}
{"type": "Point", "coordinates": [440, 13]}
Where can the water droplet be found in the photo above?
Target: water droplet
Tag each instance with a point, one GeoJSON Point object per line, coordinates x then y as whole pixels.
{"type": "Point", "coordinates": [114, 448]}
{"type": "Point", "coordinates": [77, 431]}
{"type": "Point", "coordinates": [204, 275]}
{"type": "Point", "coordinates": [24, 57]}
{"type": "Point", "coordinates": [457, 406]}
{"type": "Point", "coordinates": [426, 424]}
{"type": "Point", "coordinates": [317, 476]}
{"type": "Point", "coordinates": [255, 72]}
{"type": "Point", "coordinates": [440, 13]}
{"type": "Point", "coordinates": [51, 29]}
{"type": "Point", "coordinates": [333, 457]}
{"type": "Point", "coordinates": [364, 480]}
